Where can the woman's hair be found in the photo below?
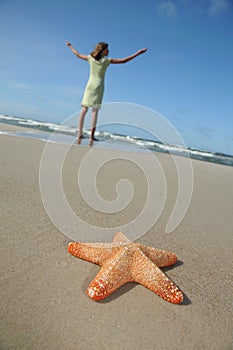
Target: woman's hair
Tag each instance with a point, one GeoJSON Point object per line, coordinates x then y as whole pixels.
{"type": "Point", "coordinates": [97, 53]}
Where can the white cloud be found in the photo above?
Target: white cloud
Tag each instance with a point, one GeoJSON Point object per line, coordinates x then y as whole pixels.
{"type": "Point", "coordinates": [217, 7]}
{"type": "Point", "coordinates": [17, 85]}
{"type": "Point", "coordinates": [167, 9]}
{"type": "Point", "coordinates": [42, 91]}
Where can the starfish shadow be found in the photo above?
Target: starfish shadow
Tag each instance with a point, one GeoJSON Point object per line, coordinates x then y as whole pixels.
{"type": "Point", "coordinates": [186, 300]}
{"type": "Point", "coordinates": [168, 268]}
{"type": "Point", "coordinates": [119, 292]}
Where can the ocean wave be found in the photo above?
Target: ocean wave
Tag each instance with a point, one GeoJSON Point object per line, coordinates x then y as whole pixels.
{"type": "Point", "coordinates": [127, 142]}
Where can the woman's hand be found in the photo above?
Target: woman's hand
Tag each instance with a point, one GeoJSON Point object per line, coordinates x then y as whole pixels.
{"type": "Point", "coordinates": [78, 54]}
{"type": "Point", "coordinates": [142, 51]}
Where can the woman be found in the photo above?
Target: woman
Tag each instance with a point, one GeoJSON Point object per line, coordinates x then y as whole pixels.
{"type": "Point", "coordinates": [94, 91]}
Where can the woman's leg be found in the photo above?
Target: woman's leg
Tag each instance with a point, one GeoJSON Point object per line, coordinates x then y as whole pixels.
{"type": "Point", "coordinates": [81, 122]}
{"type": "Point", "coordinates": [93, 125]}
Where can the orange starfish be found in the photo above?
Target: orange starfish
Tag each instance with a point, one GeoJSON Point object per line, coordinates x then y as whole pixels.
{"type": "Point", "coordinates": [124, 261]}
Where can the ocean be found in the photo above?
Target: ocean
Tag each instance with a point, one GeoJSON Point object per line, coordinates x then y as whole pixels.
{"type": "Point", "coordinates": [67, 134]}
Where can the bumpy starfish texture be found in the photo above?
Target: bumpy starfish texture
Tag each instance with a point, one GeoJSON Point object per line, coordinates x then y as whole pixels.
{"type": "Point", "coordinates": [124, 261]}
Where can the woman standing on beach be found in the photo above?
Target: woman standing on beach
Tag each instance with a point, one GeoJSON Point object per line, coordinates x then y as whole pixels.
{"type": "Point", "coordinates": [94, 91]}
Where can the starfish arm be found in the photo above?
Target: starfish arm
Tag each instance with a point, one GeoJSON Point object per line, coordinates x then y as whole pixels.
{"type": "Point", "coordinates": [120, 238]}
{"type": "Point", "coordinates": [114, 273]}
{"type": "Point", "coordinates": [150, 276]}
{"type": "Point", "coordinates": [96, 253]}
{"type": "Point", "coordinates": [160, 257]}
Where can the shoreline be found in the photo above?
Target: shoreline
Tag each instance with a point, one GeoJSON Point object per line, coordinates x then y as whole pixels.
{"type": "Point", "coordinates": [43, 299]}
{"type": "Point", "coordinates": [114, 142]}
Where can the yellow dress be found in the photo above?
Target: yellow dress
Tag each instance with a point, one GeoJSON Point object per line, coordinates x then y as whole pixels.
{"type": "Point", "coordinates": [94, 90]}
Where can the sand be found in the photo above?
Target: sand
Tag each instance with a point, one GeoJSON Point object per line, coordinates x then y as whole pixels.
{"type": "Point", "coordinates": [43, 304]}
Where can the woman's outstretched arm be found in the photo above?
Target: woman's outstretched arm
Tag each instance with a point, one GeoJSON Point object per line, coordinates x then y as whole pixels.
{"type": "Point", "coordinates": [78, 54]}
{"type": "Point", "coordinates": [129, 58]}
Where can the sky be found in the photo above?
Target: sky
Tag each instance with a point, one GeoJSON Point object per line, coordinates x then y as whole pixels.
{"type": "Point", "coordinates": [186, 75]}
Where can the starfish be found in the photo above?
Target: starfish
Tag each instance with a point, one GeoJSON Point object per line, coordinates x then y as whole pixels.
{"type": "Point", "coordinates": [124, 261]}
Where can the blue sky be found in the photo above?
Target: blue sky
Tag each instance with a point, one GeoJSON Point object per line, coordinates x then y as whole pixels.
{"type": "Point", "coordinates": [186, 75]}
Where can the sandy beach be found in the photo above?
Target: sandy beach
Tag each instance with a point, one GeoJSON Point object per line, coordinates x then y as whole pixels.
{"type": "Point", "coordinates": [43, 304]}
